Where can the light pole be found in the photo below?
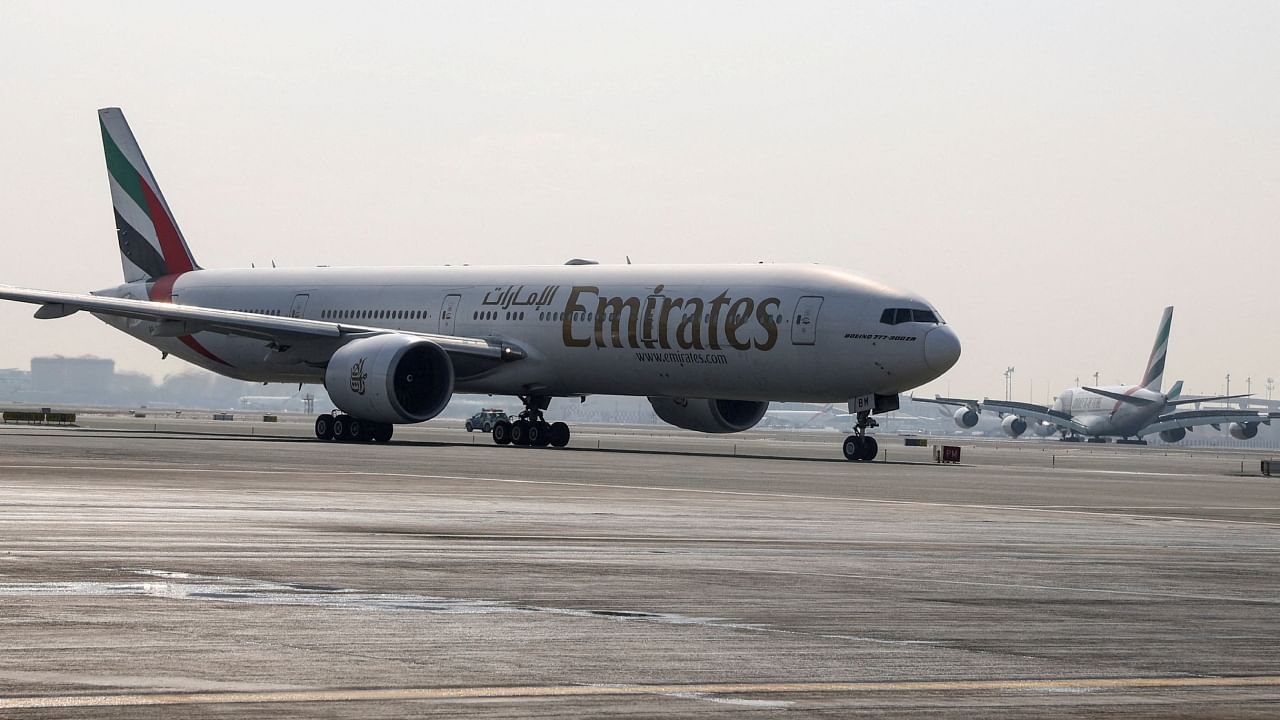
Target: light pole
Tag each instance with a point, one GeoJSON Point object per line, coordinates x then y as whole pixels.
{"type": "Point", "coordinates": [1096, 375]}
{"type": "Point", "coordinates": [1271, 384]}
{"type": "Point", "coordinates": [1008, 384]}
{"type": "Point", "coordinates": [1228, 384]}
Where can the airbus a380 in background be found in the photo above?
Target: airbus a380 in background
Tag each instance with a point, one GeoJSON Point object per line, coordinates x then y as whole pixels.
{"type": "Point", "coordinates": [709, 345]}
{"type": "Point", "coordinates": [1121, 411]}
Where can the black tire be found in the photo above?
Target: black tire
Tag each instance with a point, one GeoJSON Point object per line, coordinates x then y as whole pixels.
{"type": "Point", "coordinates": [853, 448]}
{"type": "Point", "coordinates": [558, 434]}
{"type": "Point", "coordinates": [502, 433]}
{"type": "Point", "coordinates": [488, 427]}
{"type": "Point", "coordinates": [356, 430]}
{"type": "Point", "coordinates": [520, 433]}
{"type": "Point", "coordinates": [338, 431]}
{"type": "Point", "coordinates": [324, 427]}
{"type": "Point", "coordinates": [870, 448]}
{"type": "Point", "coordinates": [469, 428]}
{"type": "Point", "coordinates": [382, 432]}
{"type": "Point", "coordinates": [540, 434]}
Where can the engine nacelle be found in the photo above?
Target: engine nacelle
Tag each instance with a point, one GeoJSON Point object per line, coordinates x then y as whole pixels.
{"type": "Point", "coordinates": [1243, 431]}
{"type": "Point", "coordinates": [1044, 429]}
{"type": "Point", "coordinates": [709, 416]}
{"type": "Point", "coordinates": [965, 417]}
{"type": "Point", "coordinates": [390, 378]}
{"type": "Point", "coordinates": [1173, 435]}
{"type": "Point", "coordinates": [1013, 426]}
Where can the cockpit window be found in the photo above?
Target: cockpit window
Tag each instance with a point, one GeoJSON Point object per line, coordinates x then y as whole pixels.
{"type": "Point", "coordinates": [897, 316]}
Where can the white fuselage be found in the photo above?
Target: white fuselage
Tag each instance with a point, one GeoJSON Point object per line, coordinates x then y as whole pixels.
{"type": "Point", "coordinates": [748, 332]}
{"type": "Point", "coordinates": [1106, 416]}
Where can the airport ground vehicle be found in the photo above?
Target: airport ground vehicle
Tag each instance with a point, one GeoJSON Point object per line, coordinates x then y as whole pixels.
{"type": "Point", "coordinates": [486, 419]}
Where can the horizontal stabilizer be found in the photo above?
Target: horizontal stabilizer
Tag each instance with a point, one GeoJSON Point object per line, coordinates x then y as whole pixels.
{"type": "Point", "coordinates": [1143, 402]}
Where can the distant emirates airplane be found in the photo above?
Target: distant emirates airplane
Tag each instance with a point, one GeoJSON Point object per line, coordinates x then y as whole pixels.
{"type": "Point", "coordinates": [709, 345]}
{"type": "Point", "coordinates": [1128, 412]}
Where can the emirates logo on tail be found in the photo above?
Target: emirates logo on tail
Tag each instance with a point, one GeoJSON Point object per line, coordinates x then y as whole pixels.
{"type": "Point", "coordinates": [358, 377]}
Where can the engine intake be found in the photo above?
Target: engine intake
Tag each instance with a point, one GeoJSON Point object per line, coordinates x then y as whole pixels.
{"type": "Point", "coordinates": [709, 416]}
{"type": "Point", "coordinates": [965, 417]}
{"type": "Point", "coordinates": [1173, 435]}
{"type": "Point", "coordinates": [1243, 430]}
{"type": "Point", "coordinates": [390, 378]}
{"type": "Point", "coordinates": [1013, 426]}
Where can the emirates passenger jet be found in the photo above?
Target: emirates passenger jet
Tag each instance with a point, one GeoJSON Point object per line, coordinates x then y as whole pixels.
{"type": "Point", "coordinates": [709, 345]}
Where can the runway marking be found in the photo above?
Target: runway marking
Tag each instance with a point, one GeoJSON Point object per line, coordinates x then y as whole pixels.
{"type": "Point", "coordinates": [676, 690]}
{"type": "Point", "coordinates": [646, 488]}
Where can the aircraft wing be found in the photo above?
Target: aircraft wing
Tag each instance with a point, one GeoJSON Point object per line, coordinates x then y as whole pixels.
{"type": "Point", "coordinates": [955, 402]}
{"type": "Point", "coordinates": [1192, 418]}
{"type": "Point", "coordinates": [1034, 412]}
{"type": "Point", "coordinates": [177, 320]}
{"type": "Point", "coordinates": [1203, 399]}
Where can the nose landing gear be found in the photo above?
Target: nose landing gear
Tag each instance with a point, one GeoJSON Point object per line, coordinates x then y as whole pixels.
{"type": "Point", "coordinates": [530, 429]}
{"type": "Point", "coordinates": [861, 447]}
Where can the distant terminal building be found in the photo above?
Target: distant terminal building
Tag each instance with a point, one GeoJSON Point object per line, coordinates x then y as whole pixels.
{"type": "Point", "coordinates": [85, 378]}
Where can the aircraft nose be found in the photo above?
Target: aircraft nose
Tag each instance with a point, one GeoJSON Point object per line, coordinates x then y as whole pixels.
{"type": "Point", "coordinates": [941, 349]}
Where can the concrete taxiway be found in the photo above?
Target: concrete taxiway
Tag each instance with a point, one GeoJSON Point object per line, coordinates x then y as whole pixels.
{"type": "Point", "coordinates": [157, 566]}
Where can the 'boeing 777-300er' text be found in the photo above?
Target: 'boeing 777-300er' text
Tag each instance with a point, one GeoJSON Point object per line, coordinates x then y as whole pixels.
{"type": "Point", "coordinates": [709, 345]}
{"type": "Point", "coordinates": [1120, 411]}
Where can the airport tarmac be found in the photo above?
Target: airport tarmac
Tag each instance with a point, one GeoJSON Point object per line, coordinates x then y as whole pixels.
{"type": "Point", "coordinates": [155, 567]}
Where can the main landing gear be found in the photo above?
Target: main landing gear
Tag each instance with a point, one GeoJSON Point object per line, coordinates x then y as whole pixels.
{"type": "Point", "coordinates": [530, 429]}
{"type": "Point", "coordinates": [861, 447]}
{"type": "Point", "coordinates": [344, 428]}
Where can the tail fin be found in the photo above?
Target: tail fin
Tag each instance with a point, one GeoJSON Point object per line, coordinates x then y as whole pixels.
{"type": "Point", "coordinates": [1176, 391]}
{"type": "Point", "coordinates": [1155, 366]}
{"type": "Point", "coordinates": [151, 245]}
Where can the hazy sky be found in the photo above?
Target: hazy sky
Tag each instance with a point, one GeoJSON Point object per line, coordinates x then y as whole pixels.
{"type": "Point", "coordinates": [1049, 175]}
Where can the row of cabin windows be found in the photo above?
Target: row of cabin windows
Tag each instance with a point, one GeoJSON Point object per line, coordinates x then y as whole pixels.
{"type": "Point", "coordinates": [581, 316]}
{"type": "Point", "coordinates": [373, 314]}
{"type": "Point", "coordinates": [897, 316]}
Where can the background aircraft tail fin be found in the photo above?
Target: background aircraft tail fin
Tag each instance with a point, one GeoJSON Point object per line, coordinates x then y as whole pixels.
{"type": "Point", "coordinates": [151, 245]}
{"type": "Point", "coordinates": [1154, 376]}
{"type": "Point", "coordinates": [1176, 391]}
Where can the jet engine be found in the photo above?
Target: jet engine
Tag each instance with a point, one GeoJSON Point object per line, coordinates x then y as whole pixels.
{"type": "Point", "coordinates": [1044, 429]}
{"type": "Point", "coordinates": [709, 416]}
{"type": "Point", "coordinates": [1013, 426]}
{"type": "Point", "coordinates": [390, 378]}
{"type": "Point", "coordinates": [1243, 431]}
{"type": "Point", "coordinates": [1173, 435]}
{"type": "Point", "coordinates": [965, 417]}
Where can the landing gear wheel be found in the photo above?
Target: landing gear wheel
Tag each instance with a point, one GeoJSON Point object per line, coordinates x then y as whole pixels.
{"type": "Point", "coordinates": [870, 448]}
{"type": "Point", "coordinates": [502, 433]}
{"type": "Point", "coordinates": [558, 434]}
{"type": "Point", "coordinates": [853, 448]}
{"type": "Point", "coordinates": [324, 427]}
{"type": "Point", "coordinates": [356, 431]}
{"type": "Point", "coordinates": [860, 447]}
{"type": "Point", "coordinates": [382, 432]}
{"type": "Point", "coordinates": [520, 433]}
{"type": "Point", "coordinates": [338, 431]}
{"type": "Point", "coordinates": [539, 434]}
